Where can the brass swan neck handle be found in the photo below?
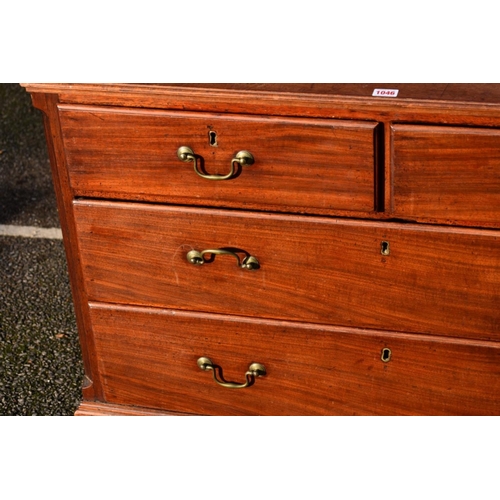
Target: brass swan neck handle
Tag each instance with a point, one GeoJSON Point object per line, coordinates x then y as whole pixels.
{"type": "Point", "coordinates": [254, 370]}
{"type": "Point", "coordinates": [249, 262]}
{"type": "Point", "coordinates": [243, 158]}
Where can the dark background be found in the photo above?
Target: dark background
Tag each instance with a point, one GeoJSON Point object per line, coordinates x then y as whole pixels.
{"type": "Point", "coordinates": [40, 359]}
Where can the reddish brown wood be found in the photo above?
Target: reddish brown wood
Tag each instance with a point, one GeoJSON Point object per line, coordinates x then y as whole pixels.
{"type": "Point", "coordinates": [446, 174]}
{"type": "Point", "coordinates": [97, 409]}
{"type": "Point", "coordinates": [48, 105]}
{"type": "Point", "coordinates": [473, 104]}
{"type": "Point", "coordinates": [312, 269]}
{"type": "Point", "coordinates": [300, 165]}
{"type": "Point", "coordinates": [149, 358]}
{"type": "Point", "coordinates": [466, 92]}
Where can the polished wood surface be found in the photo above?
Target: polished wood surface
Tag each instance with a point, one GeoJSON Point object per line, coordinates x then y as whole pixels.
{"type": "Point", "coordinates": [478, 92]}
{"type": "Point", "coordinates": [64, 196]}
{"type": "Point", "coordinates": [457, 92]}
{"type": "Point", "coordinates": [473, 104]}
{"type": "Point", "coordinates": [314, 165]}
{"type": "Point", "coordinates": [312, 269]}
{"type": "Point", "coordinates": [396, 248]}
{"type": "Point", "coordinates": [446, 174]}
{"type": "Point", "coordinates": [149, 358]}
{"type": "Point", "coordinates": [97, 409]}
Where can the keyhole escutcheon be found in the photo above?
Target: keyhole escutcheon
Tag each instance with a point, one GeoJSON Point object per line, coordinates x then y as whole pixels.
{"type": "Point", "coordinates": [212, 138]}
{"type": "Point", "coordinates": [386, 355]}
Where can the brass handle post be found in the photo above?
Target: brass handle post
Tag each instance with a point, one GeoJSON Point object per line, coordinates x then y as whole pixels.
{"type": "Point", "coordinates": [243, 158]}
{"type": "Point", "coordinates": [254, 370]}
{"type": "Point", "coordinates": [249, 262]}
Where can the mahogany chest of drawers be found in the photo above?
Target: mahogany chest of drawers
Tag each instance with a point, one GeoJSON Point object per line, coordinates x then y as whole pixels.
{"type": "Point", "coordinates": [281, 249]}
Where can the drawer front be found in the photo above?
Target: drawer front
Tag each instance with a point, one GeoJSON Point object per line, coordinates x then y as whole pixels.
{"type": "Point", "coordinates": [447, 174]}
{"type": "Point", "coordinates": [300, 165]}
{"type": "Point", "coordinates": [149, 358]}
{"type": "Point", "coordinates": [388, 276]}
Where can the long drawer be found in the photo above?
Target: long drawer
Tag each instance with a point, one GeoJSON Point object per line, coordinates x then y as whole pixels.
{"type": "Point", "coordinates": [400, 277]}
{"type": "Point", "coordinates": [149, 357]}
{"type": "Point", "coordinates": [299, 165]}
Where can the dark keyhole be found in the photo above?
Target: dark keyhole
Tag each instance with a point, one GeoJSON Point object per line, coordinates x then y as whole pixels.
{"type": "Point", "coordinates": [386, 355]}
{"type": "Point", "coordinates": [212, 138]}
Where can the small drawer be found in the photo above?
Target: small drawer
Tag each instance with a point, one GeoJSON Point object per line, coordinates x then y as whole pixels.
{"type": "Point", "coordinates": [446, 174]}
{"type": "Point", "coordinates": [299, 165]}
{"type": "Point", "coordinates": [399, 277]}
{"type": "Point", "coordinates": [149, 358]}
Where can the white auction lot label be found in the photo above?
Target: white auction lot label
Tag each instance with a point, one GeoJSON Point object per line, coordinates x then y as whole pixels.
{"type": "Point", "coordinates": [385, 92]}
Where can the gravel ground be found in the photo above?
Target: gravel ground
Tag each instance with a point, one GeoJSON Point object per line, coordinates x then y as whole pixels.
{"type": "Point", "coordinates": [40, 359]}
{"type": "Point", "coordinates": [27, 195]}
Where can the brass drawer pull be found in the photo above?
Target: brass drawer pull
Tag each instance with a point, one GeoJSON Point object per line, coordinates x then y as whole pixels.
{"type": "Point", "coordinates": [254, 370]}
{"type": "Point", "coordinates": [249, 262]}
{"type": "Point", "coordinates": [243, 158]}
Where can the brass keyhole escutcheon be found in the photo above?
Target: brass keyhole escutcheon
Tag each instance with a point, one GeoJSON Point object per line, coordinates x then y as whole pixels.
{"type": "Point", "coordinates": [385, 248]}
{"type": "Point", "coordinates": [212, 138]}
{"type": "Point", "coordinates": [386, 355]}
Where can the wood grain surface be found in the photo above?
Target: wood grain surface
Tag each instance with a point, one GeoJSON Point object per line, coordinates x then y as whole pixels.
{"type": "Point", "coordinates": [99, 409]}
{"type": "Point", "coordinates": [148, 357]}
{"type": "Point", "coordinates": [446, 174]}
{"type": "Point", "coordinates": [425, 103]}
{"type": "Point", "coordinates": [47, 103]}
{"type": "Point", "coordinates": [435, 280]}
{"type": "Point", "coordinates": [300, 165]}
